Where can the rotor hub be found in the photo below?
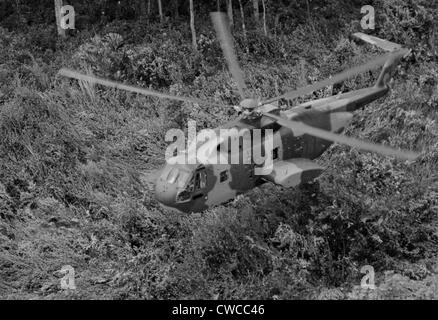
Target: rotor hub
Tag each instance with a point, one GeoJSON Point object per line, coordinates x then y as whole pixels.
{"type": "Point", "coordinates": [249, 104]}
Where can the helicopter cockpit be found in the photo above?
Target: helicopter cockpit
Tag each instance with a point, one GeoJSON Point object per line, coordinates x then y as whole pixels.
{"type": "Point", "coordinates": [179, 185]}
{"type": "Point", "coordinates": [195, 184]}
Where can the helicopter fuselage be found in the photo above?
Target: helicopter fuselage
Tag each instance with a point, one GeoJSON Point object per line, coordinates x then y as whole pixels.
{"type": "Point", "coordinates": [197, 187]}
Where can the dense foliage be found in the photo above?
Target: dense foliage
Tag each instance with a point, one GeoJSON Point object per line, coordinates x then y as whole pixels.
{"type": "Point", "coordinates": [77, 161]}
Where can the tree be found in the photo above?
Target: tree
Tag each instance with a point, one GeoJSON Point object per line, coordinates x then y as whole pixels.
{"type": "Point", "coordinates": [17, 4]}
{"type": "Point", "coordinates": [265, 28]}
{"type": "Point", "coordinates": [143, 11]}
{"type": "Point", "coordinates": [58, 6]}
{"type": "Point", "coordinates": [118, 10]}
{"type": "Point", "coordinates": [255, 4]}
{"type": "Point", "coordinates": [160, 10]}
{"type": "Point", "coordinates": [230, 12]}
{"type": "Point", "coordinates": [192, 25]}
{"type": "Point", "coordinates": [176, 8]}
{"type": "Point", "coordinates": [242, 16]}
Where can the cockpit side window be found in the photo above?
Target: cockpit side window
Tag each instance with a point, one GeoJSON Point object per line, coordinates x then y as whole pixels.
{"type": "Point", "coordinates": [189, 185]}
{"type": "Point", "coordinates": [200, 179]}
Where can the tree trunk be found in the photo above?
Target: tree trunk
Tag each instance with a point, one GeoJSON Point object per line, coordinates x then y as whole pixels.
{"type": "Point", "coordinates": [255, 4]}
{"type": "Point", "coordinates": [276, 22]}
{"type": "Point", "coordinates": [17, 4]}
{"type": "Point", "coordinates": [230, 12]}
{"type": "Point", "coordinates": [118, 10]}
{"type": "Point", "coordinates": [143, 11]}
{"type": "Point", "coordinates": [58, 5]}
{"type": "Point", "coordinates": [149, 7]}
{"type": "Point", "coordinates": [176, 8]}
{"type": "Point", "coordinates": [432, 38]}
{"type": "Point", "coordinates": [192, 25]}
{"type": "Point", "coordinates": [218, 5]}
{"type": "Point", "coordinates": [242, 16]}
{"type": "Point", "coordinates": [309, 15]}
{"type": "Point", "coordinates": [160, 10]}
{"type": "Point", "coordinates": [265, 28]}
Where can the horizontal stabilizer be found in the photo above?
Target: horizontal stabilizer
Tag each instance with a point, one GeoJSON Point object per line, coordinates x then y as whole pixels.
{"type": "Point", "coordinates": [383, 44]}
{"type": "Point", "coordinates": [293, 172]}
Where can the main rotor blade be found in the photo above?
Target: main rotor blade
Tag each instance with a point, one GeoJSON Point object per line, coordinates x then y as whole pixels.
{"type": "Point", "coordinates": [118, 85]}
{"type": "Point", "coordinates": [339, 77]}
{"type": "Point", "coordinates": [226, 41]}
{"type": "Point", "coordinates": [300, 127]}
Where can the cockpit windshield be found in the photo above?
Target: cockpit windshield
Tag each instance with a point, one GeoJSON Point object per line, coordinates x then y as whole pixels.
{"type": "Point", "coordinates": [196, 183]}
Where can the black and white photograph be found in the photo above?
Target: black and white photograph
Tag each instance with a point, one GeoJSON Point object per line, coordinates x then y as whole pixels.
{"type": "Point", "coordinates": [237, 152]}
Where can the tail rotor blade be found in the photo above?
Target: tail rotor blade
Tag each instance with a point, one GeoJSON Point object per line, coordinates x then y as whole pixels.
{"type": "Point", "coordinates": [226, 42]}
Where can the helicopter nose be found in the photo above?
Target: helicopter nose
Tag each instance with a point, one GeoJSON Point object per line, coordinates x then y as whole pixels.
{"type": "Point", "coordinates": [165, 192]}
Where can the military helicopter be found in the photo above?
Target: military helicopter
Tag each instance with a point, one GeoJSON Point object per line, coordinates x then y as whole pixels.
{"type": "Point", "coordinates": [300, 134]}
